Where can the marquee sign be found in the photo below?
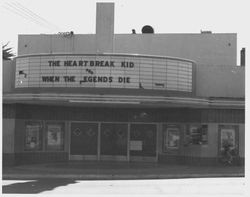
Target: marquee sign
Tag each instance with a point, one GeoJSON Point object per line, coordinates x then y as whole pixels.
{"type": "Point", "coordinates": [104, 71]}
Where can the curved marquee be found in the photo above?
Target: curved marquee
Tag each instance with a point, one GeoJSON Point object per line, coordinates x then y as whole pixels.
{"type": "Point", "coordinates": [104, 71]}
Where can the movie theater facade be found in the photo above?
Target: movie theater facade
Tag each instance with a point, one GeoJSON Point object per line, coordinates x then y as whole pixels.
{"type": "Point", "coordinates": [78, 97]}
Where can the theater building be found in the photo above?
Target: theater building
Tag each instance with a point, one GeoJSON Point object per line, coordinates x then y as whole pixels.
{"type": "Point", "coordinates": [145, 97]}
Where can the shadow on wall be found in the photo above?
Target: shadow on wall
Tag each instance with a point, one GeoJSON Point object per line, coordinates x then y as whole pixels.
{"type": "Point", "coordinates": [36, 186]}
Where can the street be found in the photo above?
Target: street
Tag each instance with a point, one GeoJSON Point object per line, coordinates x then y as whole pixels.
{"type": "Point", "coordinates": [197, 186]}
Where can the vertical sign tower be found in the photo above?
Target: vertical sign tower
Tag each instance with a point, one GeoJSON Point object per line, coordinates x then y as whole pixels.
{"type": "Point", "coordinates": [104, 27]}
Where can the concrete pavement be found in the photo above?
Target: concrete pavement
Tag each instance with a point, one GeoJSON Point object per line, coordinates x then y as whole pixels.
{"type": "Point", "coordinates": [171, 187]}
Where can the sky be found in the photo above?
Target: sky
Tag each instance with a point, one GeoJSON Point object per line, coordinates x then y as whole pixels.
{"type": "Point", "coordinates": [165, 16]}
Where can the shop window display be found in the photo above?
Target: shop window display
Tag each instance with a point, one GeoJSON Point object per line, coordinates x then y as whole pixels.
{"type": "Point", "coordinates": [197, 134]}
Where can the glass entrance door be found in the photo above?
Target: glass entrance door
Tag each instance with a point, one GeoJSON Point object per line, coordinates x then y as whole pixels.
{"type": "Point", "coordinates": [114, 140]}
{"type": "Point", "coordinates": [143, 142]}
{"type": "Point", "coordinates": [83, 141]}
{"type": "Point", "coordinates": [111, 141]}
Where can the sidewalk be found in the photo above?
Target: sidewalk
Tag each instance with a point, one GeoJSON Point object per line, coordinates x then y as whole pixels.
{"type": "Point", "coordinates": [118, 170]}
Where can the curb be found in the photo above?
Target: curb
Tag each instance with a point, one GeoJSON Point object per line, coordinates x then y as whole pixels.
{"type": "Point", "coordinates": [116, 176]}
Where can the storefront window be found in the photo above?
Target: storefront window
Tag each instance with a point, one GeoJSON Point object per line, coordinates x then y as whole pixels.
{"type": "Point", "coordinates": [55, 136]}
{"type": "Point", "coordinates": [33, 136]}
{"type": "Point", "coordinates": [171, 134]}
{"type": "Point", "coordinates": [197, 134]}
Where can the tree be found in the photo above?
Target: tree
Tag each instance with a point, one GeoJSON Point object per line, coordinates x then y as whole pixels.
{"type": "Point", "coordinates": [7, 53]}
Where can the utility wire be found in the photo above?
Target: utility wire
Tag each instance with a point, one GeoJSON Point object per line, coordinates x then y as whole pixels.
{"type": "Point", "coordinates": [29, 15]}
{"type": "Point", "coordinates": [23, 16]}
{"type": "Point", "coordinates": [19, 10]}
{"type": "Point", "coordinates": [36, 15]}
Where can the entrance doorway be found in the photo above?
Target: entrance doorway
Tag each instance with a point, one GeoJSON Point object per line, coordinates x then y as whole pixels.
{"type": "Point", "coordinates": [143, 142]}
{"type": "Point", "coordinates": [84, 141]}
{"type": "Point", "coordinates": [114, 140]}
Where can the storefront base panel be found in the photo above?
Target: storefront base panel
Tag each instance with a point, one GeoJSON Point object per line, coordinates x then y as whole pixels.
{"type": "Point", "coordinates": [8, 159]}
{"type": "Point", "coordinates": [40, 157]}
{"type": "Point", "coordinates": [83, 157]}
{"type": "Point", "coordinates": [143, 159]}
{"type": "Point", "coordinates": [174, 159]}
{"type": "Point", "coordinates": [113, 158]}
{"type": "Point", "coordinates": [203, 161]}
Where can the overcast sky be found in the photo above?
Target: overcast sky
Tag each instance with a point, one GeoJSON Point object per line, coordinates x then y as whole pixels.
{"type": "Point", "coordinates": [175, 16]}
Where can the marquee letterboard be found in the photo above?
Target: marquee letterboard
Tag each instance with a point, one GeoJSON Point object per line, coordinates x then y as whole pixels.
{"type": "Point", "coordinates": [104, 71]}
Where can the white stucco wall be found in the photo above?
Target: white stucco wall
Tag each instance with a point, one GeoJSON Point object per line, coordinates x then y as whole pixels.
{"type": "Point", "coordinates": [220, 81]}
{"type": "Point", "coordinates": [212, 49]}
{"type": "Point", "coordinates": [205, 49]}
{"type": "Point", "coordinates": [104, 27]}
{"type": "Point", "coordinates": [35, 44]}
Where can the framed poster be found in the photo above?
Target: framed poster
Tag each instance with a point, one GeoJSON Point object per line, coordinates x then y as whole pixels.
{"type": "Point", "coordinates": [171, 137]}
{"type": "Point", "coordinates": [33, 136]}
{"type": "Point", "coordinates": [55, 132]}
{"type": "Point", "coordinates": [227, 138]}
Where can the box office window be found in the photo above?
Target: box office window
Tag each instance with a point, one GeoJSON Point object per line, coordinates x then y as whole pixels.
{"type": "Point", "coordinates": [33, 136]}
{"type": "Point", "coordinates": [54, 136]}
{"type": "Point", "coordinates": [197, 134]}
{"type": "Point", "coordinates": [171, 136]}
